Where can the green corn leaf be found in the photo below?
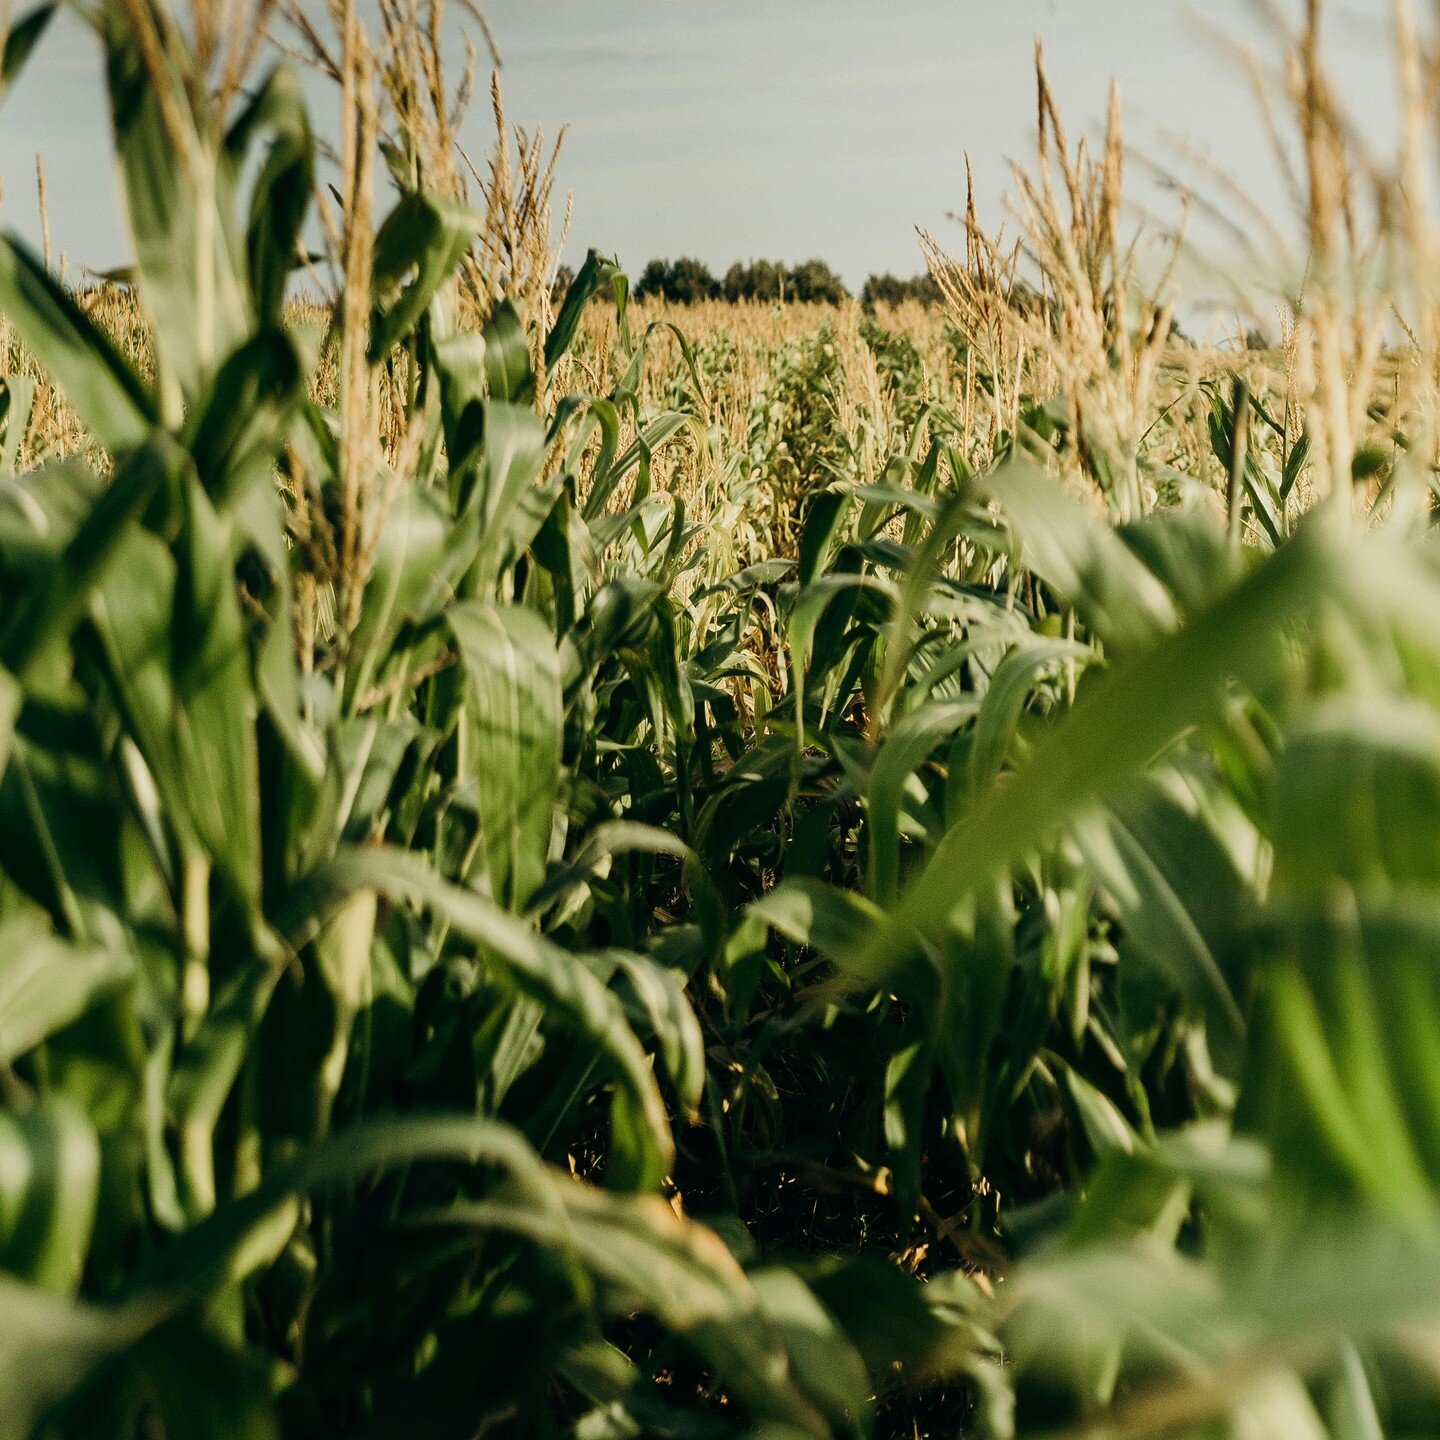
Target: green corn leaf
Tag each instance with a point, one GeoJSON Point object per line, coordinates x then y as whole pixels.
{"type": "Point", "coordinates": [24, 35]}
{"type": "Point", "coordinates": [635, 456]}
{"type": "Point", "coordinates": [908, 1076]}
{"type": "Point", "coordinates": [1008, 693]}
{"type": "Point", "coordinates": [1341, 1081]}
{"type": "Point", "coordinates": [827, 1365]}
{"type": "Point", "coordinates": [190, 1380]}
{"type": "Point", "coordinates": [208, 1065]}
{"type": "Point", "coordinates": [619, 615]}
{"type": "Point", "coordinates": [536, 966]}
{"type": "Point", "coordinates": [281, 195]}
{"type": "Point", "coordinates": [659, 996]}
{"type": "Point", "coordinates": [188, 262]}
{"type": "Point", "coordinates": [1214, 1336]}
{"type": "Point", "coordinates": [237, 434]}
{"type": "Point", "coordinates": [908, 745]}
{"type": "Point", "coordinates": [517, 705]}
{"type": "Point", "coordinates": [17, 404]}
{"type": "Point", "coordinates": [49, 1185]}
{"type": "Point", "coordinates": [594, 275]}
{"type": "Point", "coordinates": [48, 1347]}
{"type": "Point", "coordinates": [11, 699]}
{"type": "Point", "coordinates": [508, 375]}
{"type": "Point", "coordinates": [975, 959]}
{"type": "Point", "coordinates": [823, 518]}
{"type": "Point", "coordinates": [615, 838]}
{"type": "Point", "coordinates": [98, 548]}
{"type": "Point", "coordinates": [1357, 783]}
{"type": "Point", "coordinates": [1129, 717]}
{"type": "Point", "coordinates": [410, 552]}
{"type": "Point", "coordinates": [1188, 554]}
{"type": "Point", "coordinates": [1169, 858]}
{"type": "Point", "coordinates": [215, 704]}
{"type": "Point", "coordinates": [423, 238]}
{"type": "Point", "coordinates": [804, 621]}
{"type": "Point", "coordinates": [40, 513]}
{"type": "Point", "coordinates": [1106, 1130]}
{"type": "Point", "coordinates": [460, 362]}
{"type": "Point", "coordinates": [1295, 463]}
{"type": "Point", "coordinates": [176, 647]}
{"type": "Point", "coordinates": [604, 416]}
{"type": "Point", "coordinates": [643, 1256]}
{"type": "Point", "coordinates": [761, 574]}
{"type": "Point", "coordinates": [1350, 1402]}
{"type": "Point", "coordinates": [232, 1243]}
{"type": "Point", "coordinates": [47, 983]}
{"type": "Point", "coordinates": [837, 923]}
{"type": "Point", "coordinates": [508, 507]}
{"type": "Point", "coordinates": [1081, 558]}
{"type": "Point", "coordinates": [110, 398]}
{"type": "Point", "coordinates": [259, 528]}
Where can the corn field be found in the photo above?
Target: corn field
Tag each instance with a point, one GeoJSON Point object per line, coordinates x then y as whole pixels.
{"type": "Point", "coordinates": [582, 869]}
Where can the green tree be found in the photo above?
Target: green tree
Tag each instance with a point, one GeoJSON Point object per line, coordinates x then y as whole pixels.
{"type": "Point", "coordinates": [814, 280]}
{"type": "Point", "coordinates": [564, 277]}
{"type": "Point", "coordinates": [763, 280]}
{"type": "Point", "coordinates": [682, 282]}
{"type": "Point", "coordinates": [889, 289]}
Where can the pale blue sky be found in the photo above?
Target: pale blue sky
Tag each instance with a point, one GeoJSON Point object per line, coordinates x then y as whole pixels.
{"type": "Point", "coordinates": [781, 128]}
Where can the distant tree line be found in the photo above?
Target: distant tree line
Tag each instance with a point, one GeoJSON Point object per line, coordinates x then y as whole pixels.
{"type": "Point", "coordinates": [687, 281]}
{"type": "Point", "coordinates": [890, 289]}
